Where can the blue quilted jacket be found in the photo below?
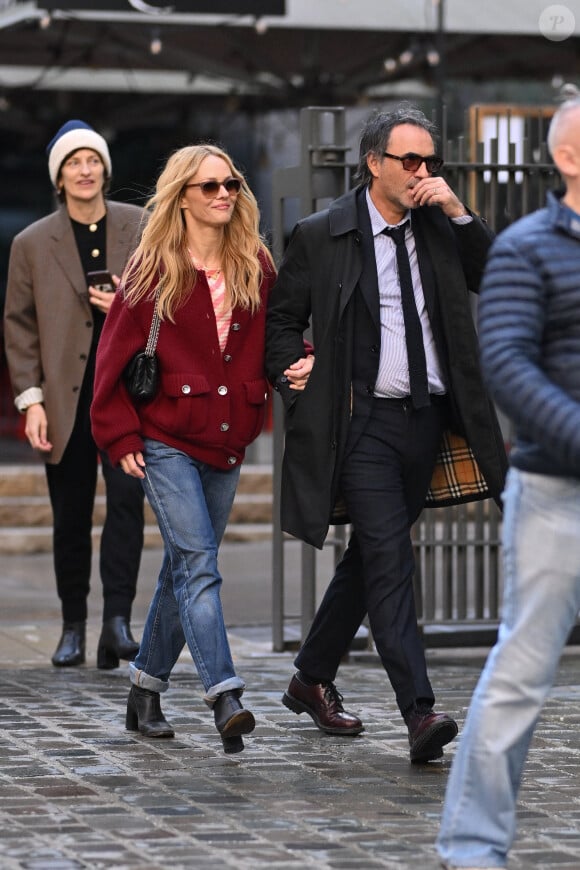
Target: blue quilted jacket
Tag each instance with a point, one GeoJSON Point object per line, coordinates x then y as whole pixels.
{"type": "Point", "coordinates": [529, 328]}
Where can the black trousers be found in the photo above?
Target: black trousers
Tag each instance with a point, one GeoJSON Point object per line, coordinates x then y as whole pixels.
{"type": "Point", "coordinates": [72, 486]}
{"type": "Point", "coordinates": [384, 481]}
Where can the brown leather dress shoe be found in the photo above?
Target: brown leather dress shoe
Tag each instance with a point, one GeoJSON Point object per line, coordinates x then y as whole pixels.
{"type": "Point", "coordinates": [324, 704]}
{"type": "Point", "coordinates": [429, 732]}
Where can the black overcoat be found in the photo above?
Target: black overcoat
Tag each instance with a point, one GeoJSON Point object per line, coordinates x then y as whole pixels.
{"type": "Point", "coordinates": [330, 256]}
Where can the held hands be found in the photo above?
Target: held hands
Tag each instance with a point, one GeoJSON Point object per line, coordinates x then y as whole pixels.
{"type": "Point", "coordinates": [36, 428]}
{"type": "Point", "coordinates": [436, 191]}
{"type": "Point", "coordinates": [100, 298]}
{"type": "Point", "coordinates": [133, 464]}
{"type": "Point", "coordinates": [299, 372]}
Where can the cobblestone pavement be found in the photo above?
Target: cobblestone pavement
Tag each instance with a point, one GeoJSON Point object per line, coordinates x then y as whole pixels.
{"type": "Point", "coordinates": [79, 791]}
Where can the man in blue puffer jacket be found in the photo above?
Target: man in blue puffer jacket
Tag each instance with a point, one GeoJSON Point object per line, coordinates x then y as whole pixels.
{"type": "Point", "coordinates": [529, 318]}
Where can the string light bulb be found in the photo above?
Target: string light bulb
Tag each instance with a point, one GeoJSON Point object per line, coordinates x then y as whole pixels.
{"type": "Point", "coordinates": [156, 45]}
{"type": "Point", "coordinates": [433, 57]}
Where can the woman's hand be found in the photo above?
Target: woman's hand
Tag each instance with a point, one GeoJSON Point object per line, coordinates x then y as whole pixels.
{"type": "Point", "coordinates": [133, 464]}
{"type": "Point", "coordinates": [299, 372]}
{"type": "Point", "coordinates": [36, 428]}
{"type": "Point", "coordinates": [103, 299]}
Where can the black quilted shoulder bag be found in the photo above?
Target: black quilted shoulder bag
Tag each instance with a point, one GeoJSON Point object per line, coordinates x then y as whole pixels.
{"type": "Point", "coordinates": [141, 373]}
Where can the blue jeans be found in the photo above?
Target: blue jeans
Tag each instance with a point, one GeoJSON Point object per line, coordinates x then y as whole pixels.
{"type": "Point", "coordinates": [541, 539]}
{"type": "Point", "coordinates": [192, 503]}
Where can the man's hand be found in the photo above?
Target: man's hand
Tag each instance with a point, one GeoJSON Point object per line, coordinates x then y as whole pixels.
{"type": "Point", "coordinates": [436, 191]}
{"type": "Point", "coordinates": [36, 428]}
{"type": "Point", "coordinates": [133, 464]}
{"type": "Point", "coordinates": [299, 372]}
{"type": "Point", "coordinates": [101, 299]}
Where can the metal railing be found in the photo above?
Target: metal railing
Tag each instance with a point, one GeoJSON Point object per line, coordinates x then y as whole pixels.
{"type": "Point", "coordinates": [458, 574]}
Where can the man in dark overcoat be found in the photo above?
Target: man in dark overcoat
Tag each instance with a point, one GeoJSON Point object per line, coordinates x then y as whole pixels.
{"type": "Point", "coordinates": [394, 414]}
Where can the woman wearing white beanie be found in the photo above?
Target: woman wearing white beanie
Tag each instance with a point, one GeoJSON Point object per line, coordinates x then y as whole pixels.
{"type": "Point", "coordinates": [53, 320]}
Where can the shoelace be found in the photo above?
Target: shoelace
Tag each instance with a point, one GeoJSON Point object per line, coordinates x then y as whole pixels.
{"type": "Point", "coordinates": [332, 695]}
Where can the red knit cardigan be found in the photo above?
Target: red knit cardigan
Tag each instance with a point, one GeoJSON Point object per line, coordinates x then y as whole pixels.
{"type": "Point", "coordinates": [210, 404]}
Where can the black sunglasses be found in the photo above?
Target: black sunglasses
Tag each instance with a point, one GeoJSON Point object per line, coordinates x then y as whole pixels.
{"type": "Point", "coordinates": [212, 188]}
{"type": "Point", "coordinates": [412, 162]}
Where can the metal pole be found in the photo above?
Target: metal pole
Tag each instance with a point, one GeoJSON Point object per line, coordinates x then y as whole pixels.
{"type": "Point", "coordinates": [308, 589]}
{"type": "Point", "coordinates": [441, 70]}
{"type": "Point", "coordinates": [278, 643]}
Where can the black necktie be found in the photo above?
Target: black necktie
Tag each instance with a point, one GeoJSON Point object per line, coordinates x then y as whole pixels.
{"type": "Point", "coordinates": [413, 331]}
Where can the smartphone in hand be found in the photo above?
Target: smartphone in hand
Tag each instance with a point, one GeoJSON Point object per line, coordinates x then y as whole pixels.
{"type": "Point", "coordinates": [101, 281]}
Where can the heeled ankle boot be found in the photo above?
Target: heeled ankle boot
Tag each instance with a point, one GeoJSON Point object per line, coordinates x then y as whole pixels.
{"type": "Point", "coordinates": [231, 720]}
{"type": "Point", "coordinates": [71, 646]}
{"type": "Point", "coordinates": [116, 642]}
{"type": "Point", "coordinates": [144, 714]}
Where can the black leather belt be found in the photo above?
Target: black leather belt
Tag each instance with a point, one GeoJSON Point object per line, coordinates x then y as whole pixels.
{"type": "Point", "coordinates": [405, 401]}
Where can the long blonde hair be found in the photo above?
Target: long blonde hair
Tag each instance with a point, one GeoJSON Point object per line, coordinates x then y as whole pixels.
{"type": "Point", "coordinates": [162, 262]}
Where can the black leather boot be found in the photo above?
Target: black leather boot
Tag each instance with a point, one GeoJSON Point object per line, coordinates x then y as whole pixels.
{"type": "Point", "coordinates": [231, 720]}
{"type": "Point", "coordinates": [71, 646]}
{"type": "Point", "coordinates": [144, 714]}
{"type": "Point", "coordinates": [116, 642]}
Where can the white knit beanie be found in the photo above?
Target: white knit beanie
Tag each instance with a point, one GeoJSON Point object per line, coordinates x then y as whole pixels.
{"type": "Point", "coordinates": [72, 136]}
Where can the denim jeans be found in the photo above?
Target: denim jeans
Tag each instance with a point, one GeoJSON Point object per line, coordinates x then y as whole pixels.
{"type": "Point", "coordinates": [192, 503]}
{"type": "Point", "coordinates": [541, 539]}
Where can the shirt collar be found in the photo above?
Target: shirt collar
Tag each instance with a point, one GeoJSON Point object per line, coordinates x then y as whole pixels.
{"type": "Point", "coordinates": [378, 223]}
{"type": "Point", "coordinates": [563, 216]}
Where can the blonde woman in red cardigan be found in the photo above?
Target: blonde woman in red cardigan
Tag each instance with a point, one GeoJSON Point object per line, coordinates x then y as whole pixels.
{"type": "Point", "coordinates": [202, 255]}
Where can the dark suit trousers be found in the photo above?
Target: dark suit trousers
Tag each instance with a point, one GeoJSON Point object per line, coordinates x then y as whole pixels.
{"type": "Point", "coordinates": [72, 486]}
{"type": "Point", "coordinates": [384, 481]}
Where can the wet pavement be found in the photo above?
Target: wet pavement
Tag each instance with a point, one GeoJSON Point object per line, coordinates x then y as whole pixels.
{"type": "Point", "coordinates": [79, 791]}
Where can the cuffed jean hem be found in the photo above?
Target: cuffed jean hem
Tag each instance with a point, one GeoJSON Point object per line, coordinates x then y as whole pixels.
{"type": "Point", "coordinates": [145, 681]}
{"type": "Point", "coordinates": [228, 685]}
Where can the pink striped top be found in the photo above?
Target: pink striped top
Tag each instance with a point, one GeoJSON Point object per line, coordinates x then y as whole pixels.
{"type": "Point", "coordinates": [223, 313]}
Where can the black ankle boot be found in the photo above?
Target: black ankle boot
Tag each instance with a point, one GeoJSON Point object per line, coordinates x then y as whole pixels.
{"type": "Point", "coordinates": [144, 714]}
{"type": "Point", "coordinates": [71, 646]}
{"type": "Point", "coordinates": [231, 720]}
{"type": "Point", "coordinates": [116, 642]}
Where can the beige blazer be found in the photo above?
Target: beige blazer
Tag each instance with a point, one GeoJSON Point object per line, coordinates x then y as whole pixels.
{"type": "Point", "coordinates": [48, 320]}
